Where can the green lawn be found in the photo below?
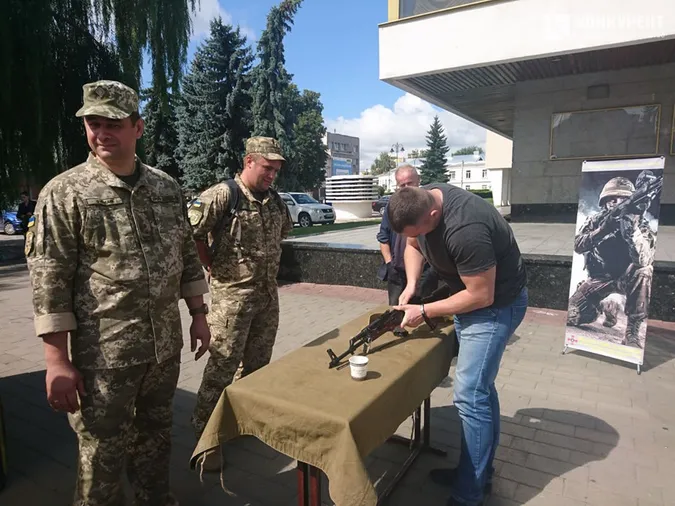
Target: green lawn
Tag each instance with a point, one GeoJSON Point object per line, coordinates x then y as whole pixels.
{"type": "Point", "coordinates": [321, 229]}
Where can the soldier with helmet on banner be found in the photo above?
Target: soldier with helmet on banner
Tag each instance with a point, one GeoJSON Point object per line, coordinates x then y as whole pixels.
{"type": "Point", "coordinates": [618, 245]}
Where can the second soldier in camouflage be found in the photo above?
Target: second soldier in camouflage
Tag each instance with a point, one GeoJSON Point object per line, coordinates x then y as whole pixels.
{"type": "Point", "coordinates": [245, 305]}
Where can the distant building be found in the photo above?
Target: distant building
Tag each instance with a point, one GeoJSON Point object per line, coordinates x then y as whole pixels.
{"type": "Point", "coordinates": [499, 160]}
{"type": "Point", "coordinates": [468, 172]}
{"type": "Point", "coordinates": [387, 181]}
{"type": "Point", "coordinates": [343, 155]}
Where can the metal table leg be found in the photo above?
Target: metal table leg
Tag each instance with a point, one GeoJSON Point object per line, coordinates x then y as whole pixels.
{"type": "Point", "coordinates": [309, 477]}
{"type": "Point", "coordinates": [309, 485]}
{"type": "Point", "coordinates": [421, 442]}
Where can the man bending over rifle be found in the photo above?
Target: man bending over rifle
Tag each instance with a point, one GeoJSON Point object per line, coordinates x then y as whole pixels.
{"type": "Point", "coordinates": [472, 248]}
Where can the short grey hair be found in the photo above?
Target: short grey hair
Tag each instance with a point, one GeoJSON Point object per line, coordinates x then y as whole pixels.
{"type": "Point", "coordinates": [405, 168]}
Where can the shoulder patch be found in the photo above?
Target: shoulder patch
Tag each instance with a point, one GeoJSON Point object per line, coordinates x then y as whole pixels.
{"type": "Point", "coordinates": [31, 222]}
{"type": "Point", "coordinates": [195, 215]}
{"type": "Point", "coordinates": [28, 246]}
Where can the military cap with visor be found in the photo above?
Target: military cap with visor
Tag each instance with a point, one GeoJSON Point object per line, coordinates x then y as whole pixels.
{"type": "Point", "coordinates": [109, 99]}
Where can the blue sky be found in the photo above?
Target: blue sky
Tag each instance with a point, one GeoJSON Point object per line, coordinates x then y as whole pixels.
{"type": "Point", "coordinates": [333, 49]}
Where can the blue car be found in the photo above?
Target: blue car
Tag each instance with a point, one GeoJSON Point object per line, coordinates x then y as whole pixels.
{"type": "Point", "coordinates": [10, 223]}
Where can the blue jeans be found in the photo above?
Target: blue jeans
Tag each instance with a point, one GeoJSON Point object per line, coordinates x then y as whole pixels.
{"type": "Point", "coordinates": [482, 339]}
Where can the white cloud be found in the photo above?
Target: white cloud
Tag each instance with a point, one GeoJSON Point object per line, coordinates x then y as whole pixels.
{"type": "Point", "coordinates": [210, 9]}
{"type": "Point", "coordinates": [407, 123]}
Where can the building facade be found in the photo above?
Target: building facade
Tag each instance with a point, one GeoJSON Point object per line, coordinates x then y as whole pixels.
{"type": "Point", "coordinates": [498, 162]}
{"type": "Point", "coordinates": [565, 80]}
{"type": "Point", "coordinates": [468, 172]}
{"type": "Point", "coordinates": [343, 155]}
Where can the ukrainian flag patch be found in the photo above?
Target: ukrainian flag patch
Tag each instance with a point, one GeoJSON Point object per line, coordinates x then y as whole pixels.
{"type": "Point", "coordinates": [31, 222]}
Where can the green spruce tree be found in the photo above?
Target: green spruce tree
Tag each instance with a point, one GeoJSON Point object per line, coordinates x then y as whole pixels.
{"type": "Point", "coordinates": [272, 97]}
{"type": "Point", "coordinates": [160, 137]}
{"type": "Point", "coordinates": [433, 168]}
{"type": "Point", "coordinates": [213, 117]}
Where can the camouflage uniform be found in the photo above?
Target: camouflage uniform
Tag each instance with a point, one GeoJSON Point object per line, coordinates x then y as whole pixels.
{"type": "Point", "coordinates": [244, 313]}
{"type": "Point", "coordinates": [108, 264]}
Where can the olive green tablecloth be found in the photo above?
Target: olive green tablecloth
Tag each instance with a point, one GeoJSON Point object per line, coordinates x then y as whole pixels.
{"type": "Point", "coordinates": [317, 415]}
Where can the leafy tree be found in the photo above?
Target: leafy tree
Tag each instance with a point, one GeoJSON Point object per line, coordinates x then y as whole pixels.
{"type": "Point", "coordinates": [433, 168]}
{"type": "Point", "coordinates": [308, 133]}
{"type": "Point", "coordinates": [382, 164]}
{"type": "Point", "coordinates": [468, 150]}
{"type": "Point", "coordinates": [272, 108]}
{"type": "Point", "coordinates": [213, 116]}
{"type": "Point", "coordinates": [50, 48]}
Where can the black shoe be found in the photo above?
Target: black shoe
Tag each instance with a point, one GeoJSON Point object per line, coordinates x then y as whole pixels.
{"type": "Point", "coordinates": [445, 478]}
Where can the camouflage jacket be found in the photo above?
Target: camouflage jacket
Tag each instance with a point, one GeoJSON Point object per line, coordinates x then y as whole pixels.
{"type": "Point", "coordinates": [248, 256]}
{"type": "Point", "coordinates": [610, 252]}
{"type": "Point", "coordinates": [109, 263]}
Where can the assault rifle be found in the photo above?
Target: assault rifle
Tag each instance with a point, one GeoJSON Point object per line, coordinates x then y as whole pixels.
{"type": "Point", "coordinates": [386, 322]}
{"type": "Point", "coordinates": [637, 202]}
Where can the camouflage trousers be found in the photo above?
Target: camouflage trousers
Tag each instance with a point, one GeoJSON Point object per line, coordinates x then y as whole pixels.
{"type": "Point", "coordinates": [585, 304]}
{"type": "Point", "coordinates": [242, 332]}
{"type": "Point", "coordinates": [127, 412]}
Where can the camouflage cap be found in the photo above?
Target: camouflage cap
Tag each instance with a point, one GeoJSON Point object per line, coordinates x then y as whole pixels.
{"type": "Point", "coordinates": [110, 99]}
{"type": "Point", "coordinates": [267, 147]}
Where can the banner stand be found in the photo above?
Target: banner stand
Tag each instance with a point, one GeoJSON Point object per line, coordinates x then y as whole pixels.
{"type": "Point", "coordinates": [612, 264]}
{"type": "Point", "coordinates": [581, 348]}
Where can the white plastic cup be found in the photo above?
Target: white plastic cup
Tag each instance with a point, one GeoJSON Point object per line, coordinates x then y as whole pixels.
{"type": "Point", "coordinates": [358, 365]}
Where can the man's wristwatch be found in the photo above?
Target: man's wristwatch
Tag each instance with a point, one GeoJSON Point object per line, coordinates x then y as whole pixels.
{"type": "Point", "coordinates": [429, 323]}
{"type": "Point", "coordinates": [203, 309]}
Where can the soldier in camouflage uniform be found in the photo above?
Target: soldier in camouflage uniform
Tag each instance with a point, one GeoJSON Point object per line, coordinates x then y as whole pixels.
{"type": "Point", "coordinates": [245, 305]}
{"type": "Point", "coordinates": [110, 253]}
{"type": "Point", "coordinates": [619, 253]}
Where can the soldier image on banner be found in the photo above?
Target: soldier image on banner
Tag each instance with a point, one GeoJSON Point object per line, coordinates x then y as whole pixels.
{"type": "Point", "coordinates": [614, 251]}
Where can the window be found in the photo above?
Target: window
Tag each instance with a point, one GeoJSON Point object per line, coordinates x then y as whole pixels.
{"type": "Point", "coordinates": [484, 176]}
{"type": "Point", "coordinates": [451, 175]}
{"type": "Point", "coordinates": [301, 198]}
{"type": "Point", "coordinates": [468, 174]}
{"type": "Point", "coordinates": [468, 187]}
{"type": "Point", "coordinates": [485, 187]}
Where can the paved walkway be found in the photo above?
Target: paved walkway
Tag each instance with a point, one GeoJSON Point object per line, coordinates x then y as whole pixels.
{"type": "Point", "coordinates": [577, 429]}
{"type": "Point", "coordinates": [536, 238]}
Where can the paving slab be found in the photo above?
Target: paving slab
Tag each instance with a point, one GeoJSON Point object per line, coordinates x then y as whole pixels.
{"type": "Point", "coordinates": [577, 429]}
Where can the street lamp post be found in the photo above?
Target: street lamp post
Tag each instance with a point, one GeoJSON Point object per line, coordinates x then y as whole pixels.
{"type": "Point", "coordinates": [396, 149]}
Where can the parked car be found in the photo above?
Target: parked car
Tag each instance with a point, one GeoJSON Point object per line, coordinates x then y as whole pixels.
{"type": "Point", "coordinates": [10, 223]}
{"type": "Point", "coordinates": [306, 211]}
{"type": "Point", "coordinates": [380, 205]}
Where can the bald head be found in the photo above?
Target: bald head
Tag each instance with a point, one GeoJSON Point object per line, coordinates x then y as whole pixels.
{"type": "Point", "coordinates": [406, 175]}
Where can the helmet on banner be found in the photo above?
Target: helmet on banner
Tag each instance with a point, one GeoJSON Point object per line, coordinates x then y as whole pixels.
{"type": "Point", "coordinates": [616, 187]}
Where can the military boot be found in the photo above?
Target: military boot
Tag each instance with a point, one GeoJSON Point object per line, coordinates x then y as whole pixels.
{"type": "Point", "coordinates": [610, 309]}
{"type": "Point", "coordinates": [632, 337]}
